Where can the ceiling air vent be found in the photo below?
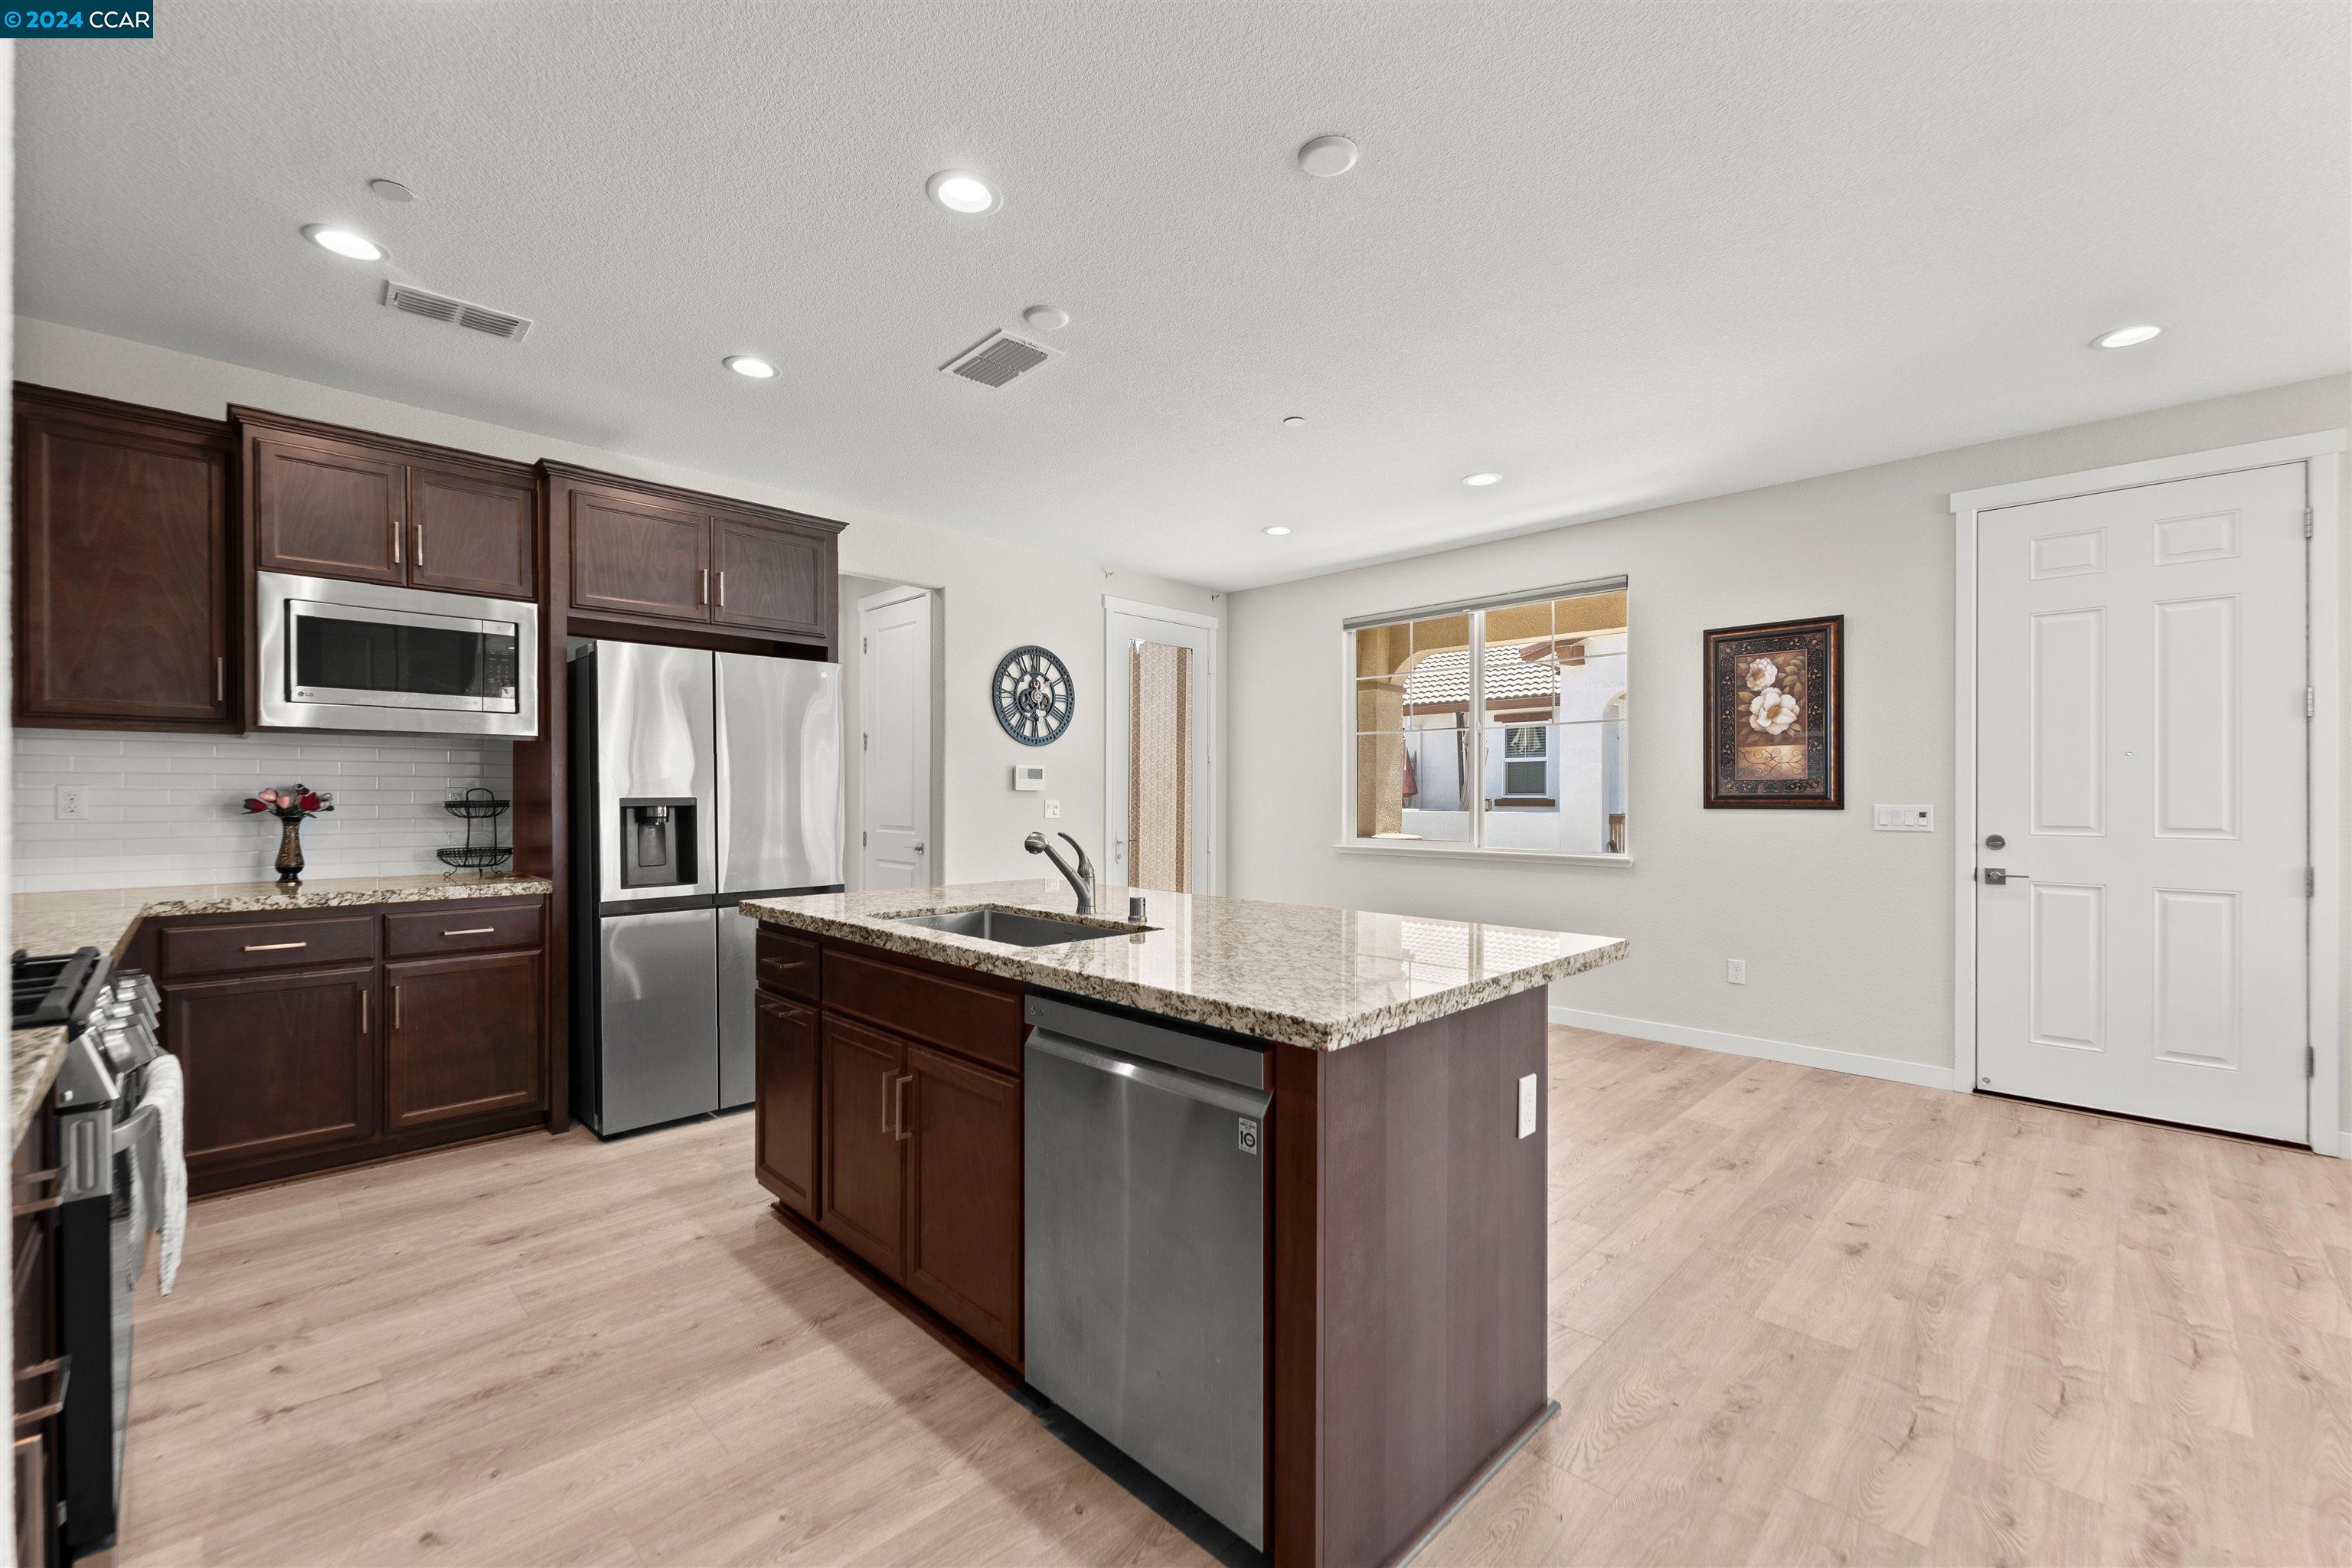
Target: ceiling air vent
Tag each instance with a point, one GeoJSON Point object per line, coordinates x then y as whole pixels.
{"type": "Point", "coordinates": [463, 313]}
{"type": "Point", "coordinates": [999, 358]}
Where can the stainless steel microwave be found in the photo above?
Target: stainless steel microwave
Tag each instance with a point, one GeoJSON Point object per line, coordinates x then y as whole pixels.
{"type": "Point", "coordinates": [360, 656]}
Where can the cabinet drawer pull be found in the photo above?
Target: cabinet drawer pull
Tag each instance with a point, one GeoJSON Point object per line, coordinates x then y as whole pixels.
{"type": "Point", "coordinates": [473, 931]}
{"type": "Point", "coordinates": [59, 1369]}
{"type": "Point", "coordinates": [27, 1204]}
{"type": "Point", "coordinates": [272, 946]}
{"type": "Point", "coordinates": [901, 1091]}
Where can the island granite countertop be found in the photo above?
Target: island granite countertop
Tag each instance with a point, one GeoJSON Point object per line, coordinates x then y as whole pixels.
{"type": "Point", "coordinates": [104, 918]}
{"type": "Point", "coordinates": [1302, 975]}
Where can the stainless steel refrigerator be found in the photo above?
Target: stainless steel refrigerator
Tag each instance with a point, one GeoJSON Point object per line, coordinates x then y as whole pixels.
{"type": "Point", "coordinates": [697, 780]}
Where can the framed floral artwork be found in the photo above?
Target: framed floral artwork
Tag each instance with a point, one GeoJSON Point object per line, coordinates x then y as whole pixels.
{"type": "Point", "coordinates": [1776, 715]}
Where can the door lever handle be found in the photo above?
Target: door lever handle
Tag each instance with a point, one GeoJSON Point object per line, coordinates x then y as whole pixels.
{"type": "Point", "coordinates": [1995, 877]}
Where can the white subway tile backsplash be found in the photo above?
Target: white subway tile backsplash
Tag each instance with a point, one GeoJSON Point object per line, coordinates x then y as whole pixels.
{"type": "Point", "coordinates": [169, 808]}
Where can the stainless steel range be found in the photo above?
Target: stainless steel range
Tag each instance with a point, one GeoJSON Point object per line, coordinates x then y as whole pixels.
{"type": "Point", "coordinates": [110, 1018]}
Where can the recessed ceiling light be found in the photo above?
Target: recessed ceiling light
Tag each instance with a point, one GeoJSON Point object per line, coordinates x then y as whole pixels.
{"type": "Point", "coordinates": [1294, 420]}
{"type": "Point", "coordinates": [392, 190]}
{"type": "Point", "coordinates": [1481, 478]}
{"type": "Point", "coordinates": [744, 365]}
{"type": "Point", "coordinates": [1047, 318]}
{"type": "Point", "coordinates": [1277, 531]}
{"type": "Point", "coordinates": [344, 242]}
{"type": "Point", "coordinates": [2125, 337]}
{"type": "Point", "coordinates": [1326, 157]}
{"type": "Point", "coordinates": [960, 192]}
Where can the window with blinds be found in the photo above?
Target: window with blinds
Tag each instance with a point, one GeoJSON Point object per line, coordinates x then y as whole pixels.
{"type": "Point", "coordinates": [1492, 725]}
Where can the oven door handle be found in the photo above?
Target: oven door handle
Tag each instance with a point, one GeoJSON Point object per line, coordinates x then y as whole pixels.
{"type": "Point", "coordinates": [139, 1127]}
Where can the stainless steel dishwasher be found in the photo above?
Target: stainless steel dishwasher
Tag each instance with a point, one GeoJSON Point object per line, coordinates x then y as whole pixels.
{"type": "Point", "coordinates": [1144, 1177]}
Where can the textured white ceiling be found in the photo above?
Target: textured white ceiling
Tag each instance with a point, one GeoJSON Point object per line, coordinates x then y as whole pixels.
{"type": "Point", "coordinates": [1625, 254]}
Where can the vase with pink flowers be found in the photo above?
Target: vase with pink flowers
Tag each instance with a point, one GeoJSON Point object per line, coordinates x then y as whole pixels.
{"type": "Point", "coordinates": [290, 806]}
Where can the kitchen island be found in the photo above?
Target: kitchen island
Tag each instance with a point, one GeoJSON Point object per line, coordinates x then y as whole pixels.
{"type": "Point", "coordinates": [1403, 1060]}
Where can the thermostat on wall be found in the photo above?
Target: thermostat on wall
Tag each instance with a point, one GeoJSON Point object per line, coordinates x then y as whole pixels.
{"type": "Point", "coordinates": [1028, 775]}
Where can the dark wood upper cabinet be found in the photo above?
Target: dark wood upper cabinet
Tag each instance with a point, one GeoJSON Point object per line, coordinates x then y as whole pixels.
{"type": "Point", "coordinates": [321, 500]}
{"type": "Point", "coordinates": [472, 533]}
{"type": "Point", "coordinates": [785, 1108]}
{"type": "Point", "coordinates": [771, 576]}
{"type": "Point", "coordinates": [298, 1050]}
{"type": "Point", "coordinates": [124, 614]}
{"type": "Point", "coordinates": [327, 508]}
{"type": "Point", "coordinates": [462, 1037]}
{"type": "Point", "coordinates": [639, 555]}
{"type": "Point", "coordinates": [963, 1197]}
{"type": "Point", "coordinates": [862, 1083]}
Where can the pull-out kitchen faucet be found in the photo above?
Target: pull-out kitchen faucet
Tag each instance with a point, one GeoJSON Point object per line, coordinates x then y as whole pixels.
{"type": "Point", "coordinates": [1082, 879]}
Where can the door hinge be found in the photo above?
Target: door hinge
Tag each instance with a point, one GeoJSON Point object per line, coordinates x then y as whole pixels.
{"type": "Point", "coordinates": [2310, 701]}
{"type": "Point", "coordinates": [864, 742]}
{"type": "Point", "coordinates": [2306, 522]}
{"type": "Point", "coordinates": [864, 645]}
{"type": "Point", "coordinates": [861, 841]}
{"type": "Point", "coordinates": [2310, 881]}
{"type": "Point", "coordinates": [2311, 1061]}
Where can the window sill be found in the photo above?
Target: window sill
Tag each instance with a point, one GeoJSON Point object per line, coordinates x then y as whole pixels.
{"type": "Point", "coordinates": [1411, 849]}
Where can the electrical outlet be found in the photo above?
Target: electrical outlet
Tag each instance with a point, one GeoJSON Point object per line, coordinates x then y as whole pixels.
{"type": "Point", "coordinates": [1528, 1105]}
{"type": "Point", "coordinates": [73, 801]}
{"type": "Point", "coordinates": [1736, 970]}
{"type": "Point", "coordinates": [1053, 811]}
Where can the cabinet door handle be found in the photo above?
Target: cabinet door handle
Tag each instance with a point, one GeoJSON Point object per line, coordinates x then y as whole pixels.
{"type": "Point", "coordinates": [363, 1012]}
{"type": "Point", "coordinates": [395, 539]}
{"type": "Point", "coordinates": [474, 930]}
{"type": "Point", "coordinates": [395, 1007]}
{"type": "Point", "coordinates": [706, 585]}
{"type": "Point", "coordinates": [901, 1096]}
{"type": "Point", "coordinates": [59, 1371]}
{"type": "Point", "coordinates": [420, 544]}
{"type": "Point", "coordinates": [272, 946]}
{"type": "Point", "coordinates": [220, 678]}
{"type": "Point", "coordinates": [722, 587]}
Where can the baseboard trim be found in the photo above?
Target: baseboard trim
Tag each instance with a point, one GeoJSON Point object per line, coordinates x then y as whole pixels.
{"type": "Point", "coordinates": [1925, 1075]}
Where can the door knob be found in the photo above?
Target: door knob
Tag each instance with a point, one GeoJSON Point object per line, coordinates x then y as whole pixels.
{"type": "Point", "coordinates": [916, 847]}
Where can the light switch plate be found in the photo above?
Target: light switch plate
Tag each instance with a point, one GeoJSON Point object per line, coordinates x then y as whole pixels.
{"type": "Point", "coordinates": [1903, 818]}
{"type": "Point", "coordinates": [1053, 811]}
{"type": "Point", "coordinates": [1528, 1105]}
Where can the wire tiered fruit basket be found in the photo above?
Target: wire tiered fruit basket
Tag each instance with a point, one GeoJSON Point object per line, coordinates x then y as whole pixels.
{"type": "Point", "coordinates": [477, 805]}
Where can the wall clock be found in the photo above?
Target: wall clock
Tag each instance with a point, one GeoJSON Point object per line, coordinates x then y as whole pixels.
{"type": "Point", "coordinates": [1033, 696]}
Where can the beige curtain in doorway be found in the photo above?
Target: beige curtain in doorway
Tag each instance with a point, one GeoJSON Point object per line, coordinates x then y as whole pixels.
{"type": "Point", "coordinates": [1160, 767]}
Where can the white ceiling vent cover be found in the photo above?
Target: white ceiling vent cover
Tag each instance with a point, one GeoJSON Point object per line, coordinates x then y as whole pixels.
{"type": "Point", "coordinates": [1000, 358]}
{"type": "Point", "coordinates": [415, 301]}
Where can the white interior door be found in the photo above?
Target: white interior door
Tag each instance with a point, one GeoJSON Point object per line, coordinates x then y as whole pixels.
{"type": "Point", "coordinates": [2142, 757]}
{"type": "Point", "coordinates": [894, 708]}
{"type": "Point", "coordinates": [1158, 684]}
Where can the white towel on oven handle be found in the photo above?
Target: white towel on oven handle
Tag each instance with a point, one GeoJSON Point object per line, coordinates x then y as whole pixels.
{"type": "Point", "coordinates": [159, 1171]}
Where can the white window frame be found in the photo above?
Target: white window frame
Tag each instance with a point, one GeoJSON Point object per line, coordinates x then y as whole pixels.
{"type": "Point", "coordinates": [1477, 849]}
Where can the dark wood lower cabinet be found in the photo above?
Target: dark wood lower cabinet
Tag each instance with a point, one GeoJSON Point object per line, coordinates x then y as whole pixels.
{"type": "Point", "coordinates": [276, 1064]}
{"type": "Point", "coordinates": [963, 1195]}
{"type": "Point", "coordinates": [295, 1065]}
{"type": "Point", "coordinates": [464, 1037]}
{"type": "Point", "coordinates": [785, 1105]}
{"type": "Point", "coordinates": [865, 1144]}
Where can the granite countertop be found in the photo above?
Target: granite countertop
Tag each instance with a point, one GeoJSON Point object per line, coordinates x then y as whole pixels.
{"type": "Point", "coordinates": [1298, 974]}
{"type": "Point", "coordinates": [103, 918]}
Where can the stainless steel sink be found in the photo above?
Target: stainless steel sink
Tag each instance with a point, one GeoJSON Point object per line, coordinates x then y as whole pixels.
{"type": "Point", "coordinates": [1015, 929]}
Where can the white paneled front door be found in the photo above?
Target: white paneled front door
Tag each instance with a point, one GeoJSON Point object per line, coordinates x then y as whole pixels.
{"type": "Point", "coordinates": [2142, 760]}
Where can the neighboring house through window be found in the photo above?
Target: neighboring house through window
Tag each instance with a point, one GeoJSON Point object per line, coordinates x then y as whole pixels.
{"type": "Point", "coordinates": [1494, 725]}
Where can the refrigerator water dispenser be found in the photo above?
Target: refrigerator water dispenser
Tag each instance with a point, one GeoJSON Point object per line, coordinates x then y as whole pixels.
{"type": "Point", "coordinates": [657, 842]}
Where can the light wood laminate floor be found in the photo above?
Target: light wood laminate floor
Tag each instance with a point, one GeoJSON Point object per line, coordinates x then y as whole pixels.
{"type": "Point", "coordinates": [1797, 1318]}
